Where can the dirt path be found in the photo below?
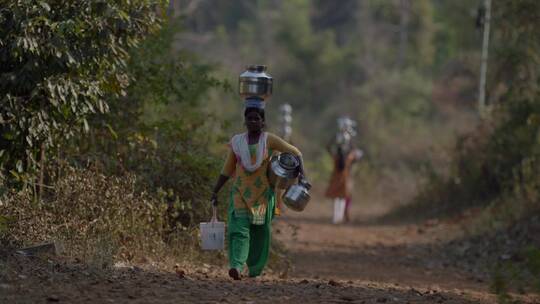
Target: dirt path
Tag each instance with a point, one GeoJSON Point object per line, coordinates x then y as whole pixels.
{"type": "Point", "coordinates": [361, 262]}
{"type": "Point", "coordinates": [402, 257]}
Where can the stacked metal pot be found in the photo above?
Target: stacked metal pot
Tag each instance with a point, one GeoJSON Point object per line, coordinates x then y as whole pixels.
{"type": "Point", "coordinates": [283, 173]}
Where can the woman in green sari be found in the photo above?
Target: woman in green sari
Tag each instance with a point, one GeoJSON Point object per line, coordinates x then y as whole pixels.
{"type": "Point", "coordinates": [252, 201]}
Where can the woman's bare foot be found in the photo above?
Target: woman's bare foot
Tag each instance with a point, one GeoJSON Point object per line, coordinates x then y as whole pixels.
{"type": "Point", "coordinates": [234, 273]}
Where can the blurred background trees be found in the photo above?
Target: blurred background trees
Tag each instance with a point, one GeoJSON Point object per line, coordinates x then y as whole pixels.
{"type": "Point", "coordinates": [406, 70]}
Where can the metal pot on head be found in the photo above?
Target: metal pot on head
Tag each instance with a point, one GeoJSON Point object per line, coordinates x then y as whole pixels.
{"type": "Point", "coordinates": [255, 83]}
{"type": "Point", "coordinates": [283, 170]}
{"type": "Point", "coordinates": [297, 196]}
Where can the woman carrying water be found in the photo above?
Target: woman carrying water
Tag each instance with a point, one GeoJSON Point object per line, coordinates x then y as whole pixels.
{"type": "Point", "coordinates": [344, 155]}
{"type": "Point", "coordinates": [252, 201]}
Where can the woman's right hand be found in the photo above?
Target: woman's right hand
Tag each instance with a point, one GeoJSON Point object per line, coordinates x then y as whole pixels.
{"type": "Point", "coordinates": [220, 182]}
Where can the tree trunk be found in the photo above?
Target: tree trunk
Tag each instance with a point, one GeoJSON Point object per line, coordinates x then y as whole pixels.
{"type": "Point", "coordinates": [484, 62]}
{"type": "Point", "coordinates": [404, 13]}
{"type": "Point", "coordinates": [42, 164]}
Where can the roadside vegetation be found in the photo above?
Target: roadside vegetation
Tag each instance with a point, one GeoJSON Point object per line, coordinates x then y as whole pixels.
{"type": "Point", "coordinates": [105, 145]}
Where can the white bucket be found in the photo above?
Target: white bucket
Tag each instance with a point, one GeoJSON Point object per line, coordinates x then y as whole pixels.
{"type": "Point", "coordinates": [213, 233]}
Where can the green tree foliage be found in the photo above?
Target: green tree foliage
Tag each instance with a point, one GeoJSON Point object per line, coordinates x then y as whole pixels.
{"type": "Point", "coordinates": [336, 16]}
{"type": "Point", "coordinates": [159, 131]}
{"type": "Point", "coordinates": [502, 157]}
{"type": "Point", "coordinates": [515, 143]}
{"type": "Point", "coordinates": [314, 61]}
{"type": "Point", "coordinates": [59, 60]}
{"type": "Point", "coordinates": [459, 32]}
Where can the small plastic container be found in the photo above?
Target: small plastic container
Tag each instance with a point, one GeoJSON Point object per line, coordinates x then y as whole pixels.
{"type": "Point", "coordinates": [213, 233]}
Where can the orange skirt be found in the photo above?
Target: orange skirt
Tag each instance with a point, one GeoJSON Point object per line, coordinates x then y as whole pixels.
{"type": "Point", "coordinates": [340, 186]}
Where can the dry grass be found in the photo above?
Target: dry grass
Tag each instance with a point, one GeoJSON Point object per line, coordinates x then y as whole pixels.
{"type": "Point", "coordinates": [95, 218]}
{"type": "Point", "coordinates": [103, 220]}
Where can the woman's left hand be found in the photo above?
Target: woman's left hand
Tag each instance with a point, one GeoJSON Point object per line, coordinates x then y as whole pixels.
{"type": "Point", "coordinates": [302, 178]}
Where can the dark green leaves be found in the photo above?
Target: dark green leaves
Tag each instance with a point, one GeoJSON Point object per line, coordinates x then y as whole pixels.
{"type": "Point", "coordinates": [59, 60]}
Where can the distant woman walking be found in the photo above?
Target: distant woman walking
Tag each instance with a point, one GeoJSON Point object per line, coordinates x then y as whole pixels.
{"type": "Point", "coordinates": [340, 185]}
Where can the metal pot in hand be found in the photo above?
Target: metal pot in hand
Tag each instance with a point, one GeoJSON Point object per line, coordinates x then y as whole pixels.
{"type": "Point", "coordinates": [297, 196]}
{"type": "Point", "coordinates": [283, 170]}
{"type": "Point", "coordinates": [255, 82]}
